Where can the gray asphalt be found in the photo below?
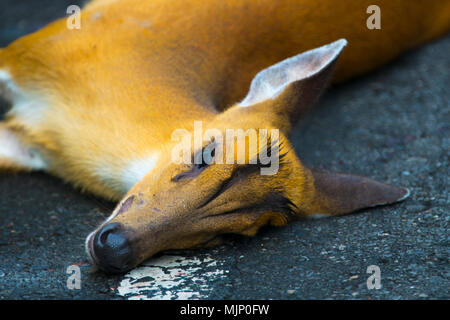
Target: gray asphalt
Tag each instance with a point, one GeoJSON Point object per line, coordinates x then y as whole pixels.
{"type": "Point", "coordinates": [392, 125]}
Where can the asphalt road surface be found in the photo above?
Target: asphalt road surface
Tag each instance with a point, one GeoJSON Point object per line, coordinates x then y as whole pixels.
{"type": "Point", "coordinates": [392, 125]}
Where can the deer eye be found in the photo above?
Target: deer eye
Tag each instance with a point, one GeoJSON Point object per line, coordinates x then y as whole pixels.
{"type": "Point", "coordinates": [201, 161]}
{"type": "Point", "coordinates": [207, 157]}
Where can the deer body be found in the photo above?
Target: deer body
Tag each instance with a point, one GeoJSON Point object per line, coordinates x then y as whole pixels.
{"type": "Point", "coordinates": [97, 106]}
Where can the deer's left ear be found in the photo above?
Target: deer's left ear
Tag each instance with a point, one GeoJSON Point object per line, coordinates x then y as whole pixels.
{"type": "Point", "coordinates": [336, 194]}
{"type": "Point", "coordinates": [294, 84]}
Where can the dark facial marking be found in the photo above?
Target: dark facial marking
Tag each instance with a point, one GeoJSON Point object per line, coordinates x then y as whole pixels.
{"type": "Point", "coordinates": [275, 202]}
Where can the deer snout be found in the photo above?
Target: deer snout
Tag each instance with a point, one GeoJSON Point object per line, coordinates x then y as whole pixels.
{"type": "Point", "coordinates": [110, 249]}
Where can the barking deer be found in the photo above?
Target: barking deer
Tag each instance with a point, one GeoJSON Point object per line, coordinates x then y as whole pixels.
{"type": "Point", "coordinates": [104, 106]}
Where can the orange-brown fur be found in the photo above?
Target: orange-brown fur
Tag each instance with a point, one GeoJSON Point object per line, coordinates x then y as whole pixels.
{"type": "Point", "coordinates": [116, 89]}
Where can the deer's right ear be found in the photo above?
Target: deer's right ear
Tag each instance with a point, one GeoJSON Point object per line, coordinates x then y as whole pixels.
{"type": "Point", "coordinates": [294, 84]}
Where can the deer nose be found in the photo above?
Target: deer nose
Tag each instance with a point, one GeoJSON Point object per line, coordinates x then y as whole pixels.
{"type": "Point", "coordinates": [111, 249]}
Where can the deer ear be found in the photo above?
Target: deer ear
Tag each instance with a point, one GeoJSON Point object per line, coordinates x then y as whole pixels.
{"type": "Point", "coordinates": [295, 83]}
{"type": "Point", "coordinates": [336, 194]}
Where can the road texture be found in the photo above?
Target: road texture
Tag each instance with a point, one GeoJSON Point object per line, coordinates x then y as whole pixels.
{"type": "Point", "coordinates": [392, 125]}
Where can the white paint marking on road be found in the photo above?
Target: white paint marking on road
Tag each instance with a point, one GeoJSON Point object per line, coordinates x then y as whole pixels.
{"type": "Point", "coordinates": [171, 277]}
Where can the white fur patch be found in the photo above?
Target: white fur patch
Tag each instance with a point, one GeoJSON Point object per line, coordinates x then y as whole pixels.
{"type": "Point", "coordinates": [25, 107]}
{"type": "Point", "coordinates": [8, 88]}
{"type": "Point", "coordinates": [13, 149]}
{"type": "Point", "coordinates": [138, 169]}
{"type": "Point", "coordinates": [123, 178]}
{"type": "Point", "coordinates": [270, 82]}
